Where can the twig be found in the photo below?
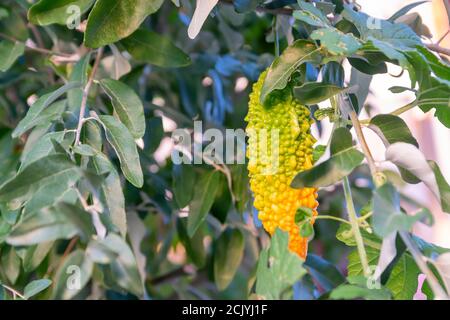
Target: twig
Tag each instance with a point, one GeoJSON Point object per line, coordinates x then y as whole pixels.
{"type": "Point", "coordinates": [86, 94]}
{"type": "Point", "coordinates": [355, 226]}
{"type": "Point", "coordinates": [14, 292]}
{"type": "Point", "coordinates": [282, 11]}
{"type": "Point", "coordinates": [40, 50]}
{"type": "Point", "coordinates": [437, 48]}
{"type": "Point", "coordinates": [443, 37]}
{"type": "Point", "coordinates": [439, 293]}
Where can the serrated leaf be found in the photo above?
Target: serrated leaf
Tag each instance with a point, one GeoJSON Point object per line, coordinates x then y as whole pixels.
{"type": "Point", "coordinates": [40, 173]}
{"type": "Point", "coordinates": [123, 143]}
{"type": "Point", "coordinates": [314, 92]}
{"type": "Point", "coordinates": [47, 12]}
{"type": "Point", "coordinates": [344, 159]}
{"type": "Point", "coordinates": [228, 255]}
{"type": "Point", "coordinates": [110, 22]}
{"type": "Point", "coordinates": [35, 287]}
{"type": "Point", "coordinates": [32, 117]}
{"type": "Point", "coordinates": [202, 201]}
{"type": "Point", "coordinates": [9, 53]}
{"type": "Point", "coordinates": [278, 268]}
{"type": "Point", "coordinates": [148, 46]}
{"type": "Point", "coordinates": [286, 64]}
{"type": "Point", "coordinates": [72, 275]}
{"type": "Point", "coordinates": [127, 106]}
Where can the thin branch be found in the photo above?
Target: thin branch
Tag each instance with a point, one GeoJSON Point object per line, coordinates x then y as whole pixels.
{"type": "Point", "coordinates": [355, 226]}
{"type": "Point", "coordinates": [14, 292]}
{"type": "Point", "coordinates": [327, 217]}
{"type": "Point", "coordinates": [282, 11]}
{"type": "Point", "coordinates": [439, 293]}
{"type": "Point", "coordinates": [86, 94]}
{"type": "Point", "coordinates": [437, 48]}
{"type": "Point", "coordinates": [36, 49]}
{"type": "Point", "coordinates": [443, 37]}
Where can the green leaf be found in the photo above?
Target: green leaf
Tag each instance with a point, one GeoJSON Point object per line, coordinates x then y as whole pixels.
{"type": "Point", "coordinates": [202, 201]}
{"type": "Point", "coordinates": [405, 10]}
{"type": "Point", "coordinates": [358, 289]}
{"type": "Point", "coordinates": [79, 218]}
{"type": "Point", "coordinates": [110, 22]}
{"type": "Point", "coordinates": [111, 192]}
{"type": "Point", "coordinates": [41, 147]}
{"type": "Point", "coordinates": [286, 64]}
{"type": "Point", "coordinates": [34, 113]}
{"type": "Point", "coordinates": [278, 268]}
{"type": "Point", "coordinates": [47, 12]}
{"type": "Point", "coordinates": [148, 46]}
{"type": "Point", "coordinates": [403, 280]}
{"type": "Point", "coordinates": [324, 272]}
{"type": "Point", "coordinates": [79, 74]}
{"type": "Point", "coordinates": [183, 180]}
{"type": "Point", "coordinates": [127, 106]}
{"type": "Point", "coordinates": [35, 255]}
{"type": "Point", "coordinates": [344, 159]}
{"type": "Point", "coordinates": [311, 15]}
{"type": "Point", "coordinates": [35, 287]}
{"type": "Point", "coordinates": [228, 257]}
{"type": "Point", "coordinates": [194, 246]}
{"type": "Point", "coordinates": [387, 216]}
{"type": "Point", "coordinates": [43, 226]}
{"type": "Point", "coordinates": [410, 158]}
{"type": "Point", "coordinates": [10, 262]}
{"type": "Point", "coordinates": [124, 268]}
{"type": "Point", "coordinates": [72, 275]}
{"type": "Point", "coordinates": [45, 171]}
{"type": "Point", "coordinates": [123, 143]}
{"type": "Point", "coordinates": [392, 129]}
{"type": "Point", "coordinates": [336, 42]}
{"type": "Point", "coordinates": [9, 53]}
{"type": "Point", "coordinates": [314, 92]}
{"type": "Point", "coordinates": [366, 66]}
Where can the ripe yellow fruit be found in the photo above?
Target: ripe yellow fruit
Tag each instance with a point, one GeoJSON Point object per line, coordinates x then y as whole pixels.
{"type": "Point", "coordinates": [279, 146]}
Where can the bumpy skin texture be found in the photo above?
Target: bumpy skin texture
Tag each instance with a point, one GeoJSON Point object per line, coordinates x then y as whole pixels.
{"type": "Point", "coordinates": [275, 200]}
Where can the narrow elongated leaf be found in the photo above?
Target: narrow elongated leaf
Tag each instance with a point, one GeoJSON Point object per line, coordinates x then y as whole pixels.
{"type": "Point", "coordinates": [109, 21]}
{"type": "Point", "coordinates": [183, 183]}
{"type": "Point", "coordinates": [405, 10]}
{"type": "Point", "coordinates": [278, 268]}
{"type": "Point", "coordinates": [80, 75]}
{"type": "Point", "coordinates": [9, 52]}
{"type": "Point", "coordinates": [313, 92]}
{"type": "Point", "coordinates": [72, 275]}
{"type": "Point", "coordinates": [123, 143]}
{"type": "Point", "coordinates": [47, 12]}
{"type": "Point", "coordinates": [43, 226]}
{"type": "Point", "coordinates": [228, 256]}
{"type": "Point", "coordinates": [127, 106]}
{"type": "Point", "coordinates": [35, 255]}
{"type": "Point", "coordinates": [344, 159]}
{"type": "Point", "coordinates": [148, 46]}
{"type": "Point", "coordinates": [202, 201]}
{"type": "Point", "coordinates": [38, 107]}
{"type": "Point", "coordinates": [40, 173]}
{"type": "Point", "coordinates": [392, 129]}
{"type": "Point", "coordinates": [10, 262]}
{"type": "Point", "coordinates": [194, 246]}
{"type": "Point", "coordinates": [35, 287]}
{"type": "Point", "coordinates": [283, 67]}
{"type": "Point", "coordinates": [111, 192]}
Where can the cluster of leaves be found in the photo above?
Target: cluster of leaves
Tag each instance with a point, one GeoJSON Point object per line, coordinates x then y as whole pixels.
{"type": "Point", "coordinates": [90, 209]}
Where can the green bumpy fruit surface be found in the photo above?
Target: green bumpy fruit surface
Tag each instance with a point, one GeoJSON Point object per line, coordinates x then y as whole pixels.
{"type": "Point", "coordinates": [279, 146]}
